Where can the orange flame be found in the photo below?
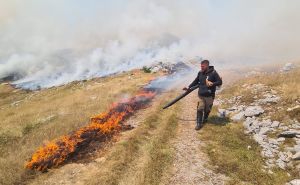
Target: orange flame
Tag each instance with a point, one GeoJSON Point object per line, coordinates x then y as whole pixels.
{"type": "Point", "coordinates": [103, 125]}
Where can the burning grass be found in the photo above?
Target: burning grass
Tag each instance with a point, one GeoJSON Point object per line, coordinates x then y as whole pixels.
{"type": "Point", "coordinates": [42, 116]}
{"type": "Point", "coordinates": [101, 127]}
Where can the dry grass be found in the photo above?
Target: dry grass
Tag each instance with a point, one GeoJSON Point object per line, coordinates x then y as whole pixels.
{"type": "Point", "coordinates": [29, 119]}
{"type": "Point", "coordinates": [145, 155]}
{"type": "Point", "coordinates": [286, 84]}
{"type": "Point", "coordinates": [227, 144]}
{"type": "Point", "coordinates": [227, 148]}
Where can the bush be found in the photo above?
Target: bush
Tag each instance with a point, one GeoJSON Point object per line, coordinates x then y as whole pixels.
{"type": "Point", "coordinates": [146, 69]}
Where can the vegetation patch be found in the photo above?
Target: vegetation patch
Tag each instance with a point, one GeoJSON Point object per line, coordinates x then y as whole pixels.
{"type": "Point", "coordinates": [146, 69]}
{"type": "Point", "coordinates": [237, 155]}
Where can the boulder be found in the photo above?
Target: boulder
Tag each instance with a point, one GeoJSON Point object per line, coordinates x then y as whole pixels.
{"type": "Point", "coordinates": [281, 139]}
{"type": "Point", "coordinates": [296, 156]}
{"type": "Point", "coordinates": [266, 123]}
{"type": "Point", "coordinates": [273, 141]}
{"type": "Point", "coordinates": [289, 133]}
{"type": "Point", "coordinates": [253, 111]}
{"type": "Point", "coordinates": [238, 117]}
{"type": "Point", "coordinates": [275, 124]}
{"type": "Point", "coordinates": [258, 138]}
{"type": "Point", "coordinates": [285, 157]}
{"type": "Point", "coordinates": [293, 108]}
{"type": "Point", "coordinates": [264, 130]}
{"type": "Point", "coordinates": [281, 164]}
{"type": "Point", "coordinates": [294, 182]}
{"type": "Point", "coordinates": [287, 67]}
{"type": "Point", "coordinates": [155, 69]}
{"type": "Point", "coordinates": [267, 153]}
{"type": "Point", "coordinates": [222, 113]}
{"type": "Point", "coordinates": [269, 98]}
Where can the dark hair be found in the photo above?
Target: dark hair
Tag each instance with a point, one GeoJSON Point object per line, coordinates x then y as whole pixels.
{"type": "Point", "coordinates": [205, 62]}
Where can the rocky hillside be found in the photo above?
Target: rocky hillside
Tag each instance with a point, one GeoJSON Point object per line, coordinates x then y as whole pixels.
{"type": "Point", "coordinates": [252, 135]}
{"type": "Point", "coordinates": [268, 107]}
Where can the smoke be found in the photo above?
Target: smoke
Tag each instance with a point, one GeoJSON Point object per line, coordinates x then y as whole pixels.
{"type": "Point", "coordinates": [52, 42]}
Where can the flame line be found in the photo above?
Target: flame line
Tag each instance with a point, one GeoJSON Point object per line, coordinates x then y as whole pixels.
{"type": "Point", "coordinates": [102, 126]}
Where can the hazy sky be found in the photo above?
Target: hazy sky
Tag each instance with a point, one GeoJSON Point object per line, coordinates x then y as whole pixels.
{"type": "Point", "coordinates": [50, 42]}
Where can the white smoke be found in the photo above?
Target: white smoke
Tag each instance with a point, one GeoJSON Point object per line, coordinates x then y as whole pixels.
{"type": "Point", "coordinates": [52, 42]}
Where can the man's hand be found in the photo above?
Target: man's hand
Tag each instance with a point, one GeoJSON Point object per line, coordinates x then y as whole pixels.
{"type": "Point", "coordinates": [185, 89]}
{"type": "Point", "coordinates": [209, 83]}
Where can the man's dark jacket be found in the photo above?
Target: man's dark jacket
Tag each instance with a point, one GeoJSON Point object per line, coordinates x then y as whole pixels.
{"type": "Point", "coordinates": [211, 75]}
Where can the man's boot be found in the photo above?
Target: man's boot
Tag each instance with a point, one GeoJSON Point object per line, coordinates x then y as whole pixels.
{"type": "Point", "coordinates": [206, 116]}
{"type": "Point", "coordinates": [199, 120]}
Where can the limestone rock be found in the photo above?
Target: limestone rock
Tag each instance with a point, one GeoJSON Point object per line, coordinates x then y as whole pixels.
{"type": "Point", "coordinates": [287, 67]}
{"type": "Point", "coordinates": [296, 156]}
{"type": "Point", "coordinates": [238, 117]}
{"type": "Point", "coordinates": [294, 182]}
{"type": "Point", "coordinates": [253, 111]}
{"type": "Point", "coordinates": [289, 133]}
{"type": "Point", "coordinates": [222, 113]}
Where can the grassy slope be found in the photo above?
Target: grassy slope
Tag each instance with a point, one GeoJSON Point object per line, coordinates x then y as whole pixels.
{"type": "Point", "coordinates": [44, 115]}
{"type": "Point", "coordinates": [141, 156]}
{"type": "Point", "coordinates": [146, 154]}
{"type": "Point", "coordinates": [228, 145]}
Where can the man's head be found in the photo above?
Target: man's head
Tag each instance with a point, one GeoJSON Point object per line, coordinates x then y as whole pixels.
{"type": "Point", "coordinates": [204, 65]}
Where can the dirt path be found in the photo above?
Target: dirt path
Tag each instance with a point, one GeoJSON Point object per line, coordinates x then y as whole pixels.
{"type": "Point", "coordinates": [191, 163]}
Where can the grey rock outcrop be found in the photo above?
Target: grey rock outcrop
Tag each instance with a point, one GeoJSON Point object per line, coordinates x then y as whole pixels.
{"type": "Point", "coordinates": [294, 182]}
{"type": "Point", "coordinates": [238, 117]}
{"type": "Point", "coordinates": [290, 133]}
{"type": "Point", "coordinates": [253, 111]}
{"type": "Point", "coordinates": [287, 67]}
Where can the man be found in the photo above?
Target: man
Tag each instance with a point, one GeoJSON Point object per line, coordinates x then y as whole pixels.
{"type": "Point", "coordinates": [208, 79]}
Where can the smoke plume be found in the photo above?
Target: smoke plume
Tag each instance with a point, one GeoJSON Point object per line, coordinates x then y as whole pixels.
{"type": "Point", "coordinates": [52, 42]}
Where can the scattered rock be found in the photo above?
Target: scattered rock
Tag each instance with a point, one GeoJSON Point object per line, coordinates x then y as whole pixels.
{"type": "Point", "coordinates": [287, 67]}
{"type": "Point", "coordinates": [222, 113]}
{"type": "Point", "coordinates": [281, 139]}
{"type": "Point", "coordinates": [100, 160]}
{"type": "Point", "coordinates": [283, 127]}
{"type": "Point", "coordinates": [267, 153]}
{"type": "Point", "coordinates": [257, 122]}
{"type": "Point", "coordinates": [296, 156]}
{"type": "Point", "coordinates": [280, 164]}
{"type": "Point", "coordinates": [293, 108]}
{"type": "Point", "coordinates": [253, 73]}
{"type": "Point", "coordinates": [285, 156]}
{"type": "Point", "coordinates": [155, 69]}
{"type": "Point", "coordinates": [238, 117]}
{"type": "Point", "coordinates": [258, 138]}
{"type": "Point", "coordinates": [269, 98]}
{"type": "Point", "coordinates": [289, 133]}
{"type": "Point", "coordinates": [16, 103]}
{"type": "Point", "coordinates": [294, 182]}
{"type": "Point", "coordinates": [264, 130]}
{"type": "Point", "coordinates": [167, 67]}
{"type": "Point", "coordinates": [275, 124]}
{"type": "Point", "coordinates": [253, 111]}
{"type": "Point", "coordinates": [273, 141]}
